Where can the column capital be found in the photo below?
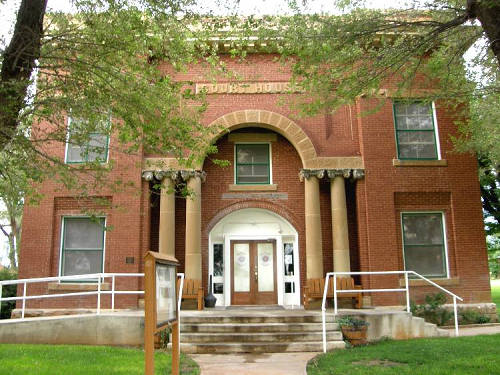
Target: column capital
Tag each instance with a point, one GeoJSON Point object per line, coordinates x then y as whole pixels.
{"type": "Point", "coordinates": [354, 174]}
{"type": "Point", "coordinates": [159, 174]}
{"type": "Point", "coordinates": [187, 174]}
{"type": "Point", "coordinates": [308, 173]}
{"type": "Point", "coordinates": [332, 173]}
{"type": "Point", "coordinates": [358, 174]}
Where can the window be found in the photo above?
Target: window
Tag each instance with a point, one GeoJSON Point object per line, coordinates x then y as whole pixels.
{"type": "Point", "coordinates": [415, 131]}
{"type": "Point", "coordinates": [424, 246]}
{"type": "Point", "coordinates": [218, 269]}
{"type": "Point", "coordinates": [253, 163]}
{"type": "Point", "coordinates": [83, 148]}
{"type": "Point", "coordinates": [82, 246]}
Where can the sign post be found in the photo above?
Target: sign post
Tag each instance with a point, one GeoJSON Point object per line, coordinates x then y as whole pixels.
{"type": "Point", "coordinates": [160, 306]}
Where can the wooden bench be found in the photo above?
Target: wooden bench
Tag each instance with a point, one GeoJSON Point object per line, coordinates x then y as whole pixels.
{"type": "Point", "coordinates": [314, 290]}
{"type": "Point", "coordinates": [192, 289]}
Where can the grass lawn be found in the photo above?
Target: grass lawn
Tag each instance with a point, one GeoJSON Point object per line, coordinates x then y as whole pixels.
{"type": "Point", "coordinates": [495, 293]}
{"type": "Point", "coordinates": [458, 356]}
{"type": "Point", "coordinates": [16, 359]}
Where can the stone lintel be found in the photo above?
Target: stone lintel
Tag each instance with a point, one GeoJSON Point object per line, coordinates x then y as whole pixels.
{"type": "Point", "coordinates": [252, 137]}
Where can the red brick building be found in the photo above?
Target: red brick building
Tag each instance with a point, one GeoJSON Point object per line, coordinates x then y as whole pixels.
{"type": "Point", "coordinates": [340, 191]}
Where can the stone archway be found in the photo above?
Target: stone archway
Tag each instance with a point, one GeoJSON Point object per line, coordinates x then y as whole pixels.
{"type": "Point", "coordinates": [268, 120]}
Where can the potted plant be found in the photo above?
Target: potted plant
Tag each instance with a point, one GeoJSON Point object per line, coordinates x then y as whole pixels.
{"type": "Point", "coordinates": [353, 329]}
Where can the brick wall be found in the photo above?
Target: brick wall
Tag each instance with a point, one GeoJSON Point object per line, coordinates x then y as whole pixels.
{"type": "Point", "coordinates": [374, 203]}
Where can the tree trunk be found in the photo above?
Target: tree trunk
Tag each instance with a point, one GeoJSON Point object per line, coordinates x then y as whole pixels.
{"type": "Point", "coordinates": [18, 65]}
{"type": "Point", "coordinates": [12, 251]}
{"type": "Point", "coordinates": [488, 13]}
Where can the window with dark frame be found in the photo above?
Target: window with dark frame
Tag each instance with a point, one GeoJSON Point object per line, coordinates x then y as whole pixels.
{"type": "Point", "coordinates": [415, 130]}
{"type": "Point", "coordinates": [82, 247]}
{"type": "Point", "coordinates": [84, 148]}
{"type": "Point", "coordinates": [252, 164]}
{"type": "Point", "coordinates": [424, 243]}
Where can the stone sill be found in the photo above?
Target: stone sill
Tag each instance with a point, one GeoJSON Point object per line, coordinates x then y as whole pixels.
{"type": "Point", "coordinates": [454, 281]}
{"type": "Point", "coordinates": [81, 287]}
{"type": "Point", "coordinates": [419, 163]}
{"type": "Point", "coordinates": [235, 187]}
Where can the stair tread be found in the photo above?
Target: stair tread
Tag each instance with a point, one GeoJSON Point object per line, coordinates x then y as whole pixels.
{"type": "Point", "coordinates": [257, 333]}
{"type": "Point", "coordinates": [259, 343]}
{"type": "Point", "coordinates": [273, 324]}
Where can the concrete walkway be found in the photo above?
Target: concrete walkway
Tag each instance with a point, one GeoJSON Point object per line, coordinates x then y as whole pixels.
{"type": "Point", "coordinates": [253, 364]}
{"type": "Point", "coordinates": [483, 329]}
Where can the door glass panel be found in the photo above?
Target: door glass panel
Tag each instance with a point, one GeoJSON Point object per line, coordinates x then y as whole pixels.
{"type": "Point", "coordinates": [241, 267]}
{"type": "Point", "coordinates": [218, 260]}
{"type": "Point", "coordinates": [265, 267]}
{"type": "Point", "coordinates": [288, 258]}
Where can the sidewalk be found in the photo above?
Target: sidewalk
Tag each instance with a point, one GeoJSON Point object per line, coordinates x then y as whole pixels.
{"type": "Point", "coordinates": [479, 329]}
{"type": "Point", "coordinates": [253, 364]}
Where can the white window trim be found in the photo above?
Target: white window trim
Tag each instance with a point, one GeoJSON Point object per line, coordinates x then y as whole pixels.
{"type": "Point", "coordinates": [62, 239]}
{"type": "Point", "coordinates": [445, 238]}
{"type": "Point", "coordinates": [436, 132]}
{"type": "Point", "coordinates": [68, 128]}
{"type": "Point", "coordinates": [270, 161]}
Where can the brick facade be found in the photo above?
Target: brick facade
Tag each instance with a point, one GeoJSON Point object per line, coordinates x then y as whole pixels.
{"type": "Point", "coordinates": [374, 203]}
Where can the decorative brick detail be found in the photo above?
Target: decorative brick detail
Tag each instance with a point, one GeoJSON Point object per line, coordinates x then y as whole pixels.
{"type": "Point", "coordinates": [274, 121]}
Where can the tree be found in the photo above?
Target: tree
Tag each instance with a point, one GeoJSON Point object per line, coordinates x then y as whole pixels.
{"type": "Point", "coordinates": [110, 59]}
{"type": "Point", "coordinates": [417, 51]}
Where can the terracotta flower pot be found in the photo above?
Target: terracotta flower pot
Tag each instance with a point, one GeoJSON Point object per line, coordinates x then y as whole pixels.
{"type": "Point", "coordinates": [355, 335]}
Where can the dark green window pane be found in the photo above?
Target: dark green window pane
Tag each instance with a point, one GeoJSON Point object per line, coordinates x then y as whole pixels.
{"type": "Point", "coordinates": [424, 246]}
{"type": "Point", "coordinates": [252, 154]}
{"type": "Point", "coordinates": [423, 229]}
{"type": "Point", "coordinates": [415, 131]}
{"type": "Point", "coordinates": [252, 164]}
{"type": "Point", "coordinates": [83, 233]}
{"type": "Point", "coordinates": [80, 262]}
{"type": "Point", "coordinates": [425, 260]}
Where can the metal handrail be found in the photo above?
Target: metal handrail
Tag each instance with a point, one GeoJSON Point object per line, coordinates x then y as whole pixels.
{"type": "Point", "coordinates": [98, 277]}
{"type": "Point", "coordinates": [406, 289]}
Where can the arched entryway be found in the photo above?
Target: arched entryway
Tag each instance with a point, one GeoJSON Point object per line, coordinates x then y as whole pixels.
{"type": "Point", "coordinates": [254, 259]}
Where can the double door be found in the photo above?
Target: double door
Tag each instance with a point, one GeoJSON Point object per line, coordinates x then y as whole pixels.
{"type": "Point", "coordinates": [253, 272]}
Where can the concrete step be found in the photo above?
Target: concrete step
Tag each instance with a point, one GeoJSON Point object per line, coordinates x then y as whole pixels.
{"type": "Point", "coordinates": [255, 327]}
{"type": "Point", "coordinates": [250, 319]}
{"type": "Point", "coordinates": [259, 347]}
{"type": "Point", "coordinates": [267, 337]}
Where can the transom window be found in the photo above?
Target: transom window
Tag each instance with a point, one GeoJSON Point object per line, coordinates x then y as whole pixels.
{"type": "Point", "coordinates": [82, 246]}
{"type": "Point", "coordinates": [424, 244]}
{"type": "Point", "coordinates": [253, 164]}
{"type": "Point", "coordinates": [415, 130]}
{"type": "Point", "coordinates": [84, 148]}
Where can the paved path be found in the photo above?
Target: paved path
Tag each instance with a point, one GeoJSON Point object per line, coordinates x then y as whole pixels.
{"type": "Point", "coordinates": [253, 364]}
{"type": "Point", "coordinates": [489, 329]}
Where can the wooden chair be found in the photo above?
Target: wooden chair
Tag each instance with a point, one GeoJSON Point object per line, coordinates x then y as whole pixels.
{"type": "Point", "coordinates": [314, 290]}
{"type": "Point", "coordinates": [192, 289]}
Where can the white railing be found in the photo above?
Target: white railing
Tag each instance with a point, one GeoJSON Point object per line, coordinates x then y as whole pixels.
{"type": "Point", "coordinates": [406, 289]}
{"type": "Point", "coordinates": [89, 278]}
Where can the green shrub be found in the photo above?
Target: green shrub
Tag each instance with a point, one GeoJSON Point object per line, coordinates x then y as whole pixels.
{"type": "Point", "coordinates": [432, 310]}
{"type": "Point", "coordinates": [350, 321]}
{"type": "Point", "coordinates": [8, 291]}
{"type": "Point", "coordinates": [471, 316]}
